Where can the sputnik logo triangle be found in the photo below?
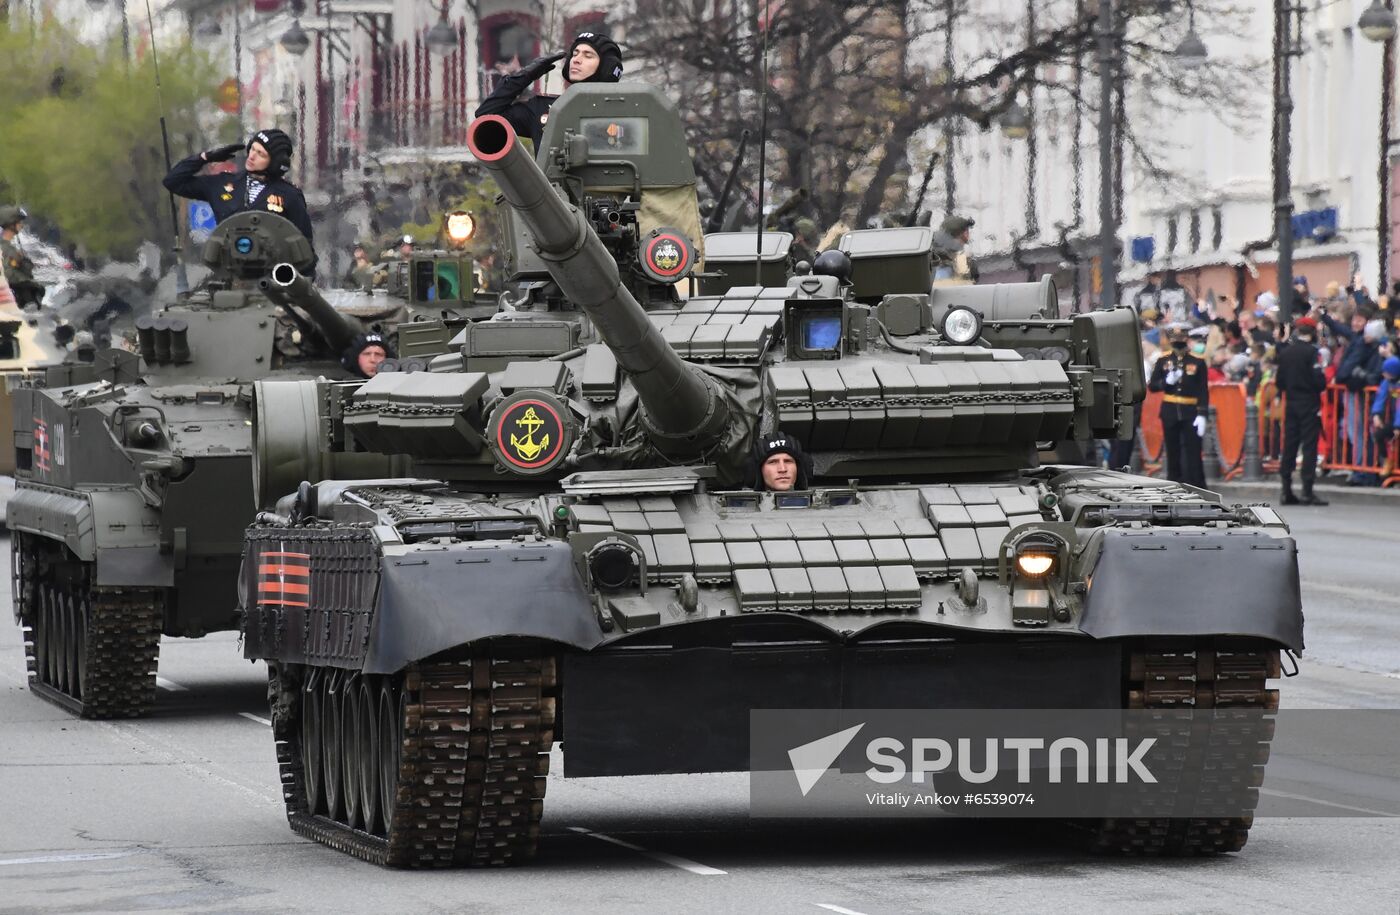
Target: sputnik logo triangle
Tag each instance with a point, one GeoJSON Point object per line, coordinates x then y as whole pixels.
{"type": "Point", "coordinates": [811, 760]}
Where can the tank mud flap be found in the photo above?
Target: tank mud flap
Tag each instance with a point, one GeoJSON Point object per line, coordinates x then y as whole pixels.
{"type": "Point", "coordinates": [1195, 583]}
{"type": "Point", "coordinates": [115, 529]}
{"type": "Point", "coordinates": [433, 601]}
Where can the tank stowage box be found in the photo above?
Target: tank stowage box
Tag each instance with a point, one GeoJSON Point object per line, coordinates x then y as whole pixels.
{"type": "Point", "coordinates": [582, 548]}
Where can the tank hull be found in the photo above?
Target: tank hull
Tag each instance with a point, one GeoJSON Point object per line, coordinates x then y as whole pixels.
{"type": "Point", "coordinates": [385, 607]}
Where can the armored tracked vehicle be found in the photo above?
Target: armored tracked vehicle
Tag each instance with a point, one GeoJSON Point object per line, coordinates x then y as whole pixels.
{"type": "Point", "coordinates": [580, 552]}
{"type": "Point", "coordinates": [134, 471]}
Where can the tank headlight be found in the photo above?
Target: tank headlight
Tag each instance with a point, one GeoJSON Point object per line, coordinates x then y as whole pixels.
{"type": "Point", "coordinates": [460, 227]}
{"type": "Point", "coordinates": [612, 565]}
{"type": "Point", "coordinates": [1036, 558]}
{"type": "Point", "coordinates": [962, 326]}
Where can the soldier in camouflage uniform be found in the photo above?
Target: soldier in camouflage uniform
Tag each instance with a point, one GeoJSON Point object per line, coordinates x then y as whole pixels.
{"type": "Point", "coordinates": [19, 269]}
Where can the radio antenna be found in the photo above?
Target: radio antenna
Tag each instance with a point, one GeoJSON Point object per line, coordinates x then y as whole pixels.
{"type": "Point", "coordinates": [182, 281]}
{"type": "Point", "coordinates": [762, 155]}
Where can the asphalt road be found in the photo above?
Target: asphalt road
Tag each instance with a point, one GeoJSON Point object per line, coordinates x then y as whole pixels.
{"type": "Point", "coordinates": [181, 812]}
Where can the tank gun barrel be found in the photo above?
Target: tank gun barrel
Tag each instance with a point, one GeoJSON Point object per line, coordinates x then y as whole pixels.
{"type": "Point", "coordinates": [682, 406]}
{"type": "Point", "coordinates": [286, 286]}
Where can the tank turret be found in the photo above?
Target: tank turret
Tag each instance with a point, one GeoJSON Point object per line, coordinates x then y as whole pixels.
{"type": "Point", "coordinates": [684, 410]}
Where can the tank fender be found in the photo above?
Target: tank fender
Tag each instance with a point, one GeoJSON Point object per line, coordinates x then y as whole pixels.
{"type": "Point", "coordinates": [433, 598]}
{"type": "Point", "coordinates": [115, 529]}
{"type": "Point", "coordinates": [1194, 582]}
{"type": "Point", "coordinates": [55, 514]}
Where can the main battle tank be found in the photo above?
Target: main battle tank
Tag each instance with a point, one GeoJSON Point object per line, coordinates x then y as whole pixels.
{"type": "Point", "coordinates": [580, 552]}
{"type": "Point", "coordinates": [133, 470]}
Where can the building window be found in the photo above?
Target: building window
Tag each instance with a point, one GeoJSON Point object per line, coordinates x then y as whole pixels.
{"type": "Point", "coordinates": [1171, 234]}
{"type": "Point", "coordinates": [1217, 228]}
{"type": "Point", "coordinates": [591, 21]}
{"type": "Point", "coordinates": [1193, 232]}
{"type": "Point", "coordinates": [508, 40]}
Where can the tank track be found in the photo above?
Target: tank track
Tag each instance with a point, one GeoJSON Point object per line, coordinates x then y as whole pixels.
{"type": "Point", "coordinates": [473, 751]}
{"type": "Point", "coordinates": [1219, 674]}
{"type": "Point", "coordinates": [91, 651]}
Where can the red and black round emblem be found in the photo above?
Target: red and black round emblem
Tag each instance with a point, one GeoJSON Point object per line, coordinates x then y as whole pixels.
{"type": "Point", "coordinates": [667, 255]}
{"type": "Point", "coordinates": [531, 432]}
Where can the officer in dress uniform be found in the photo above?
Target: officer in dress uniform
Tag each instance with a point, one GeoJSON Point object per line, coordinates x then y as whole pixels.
{"type": "Point", "coordinates": [1181, 377]}
{"type": "Point", "coordinates": [260, 185]}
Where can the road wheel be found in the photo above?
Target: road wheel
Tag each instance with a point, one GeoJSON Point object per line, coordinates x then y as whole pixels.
{"type": "Point", "coordinates": [350, 750]}
{"type": "Point", "coordinates": [330, 748]}
{"type": "Point", "coordinates": [368, 718]}
{"type": "Point", "coordinates": [80, 643]}
{"type": "Point", "coordinates": [391, 716]}
{"type": "Point", "coordinates": [311, 741]}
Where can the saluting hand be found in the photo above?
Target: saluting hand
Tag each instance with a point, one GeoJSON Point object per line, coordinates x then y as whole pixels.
{"type": "Point", "coordinates": [541, 65]}
{"type": "Point", "coordinates": [222, 153]}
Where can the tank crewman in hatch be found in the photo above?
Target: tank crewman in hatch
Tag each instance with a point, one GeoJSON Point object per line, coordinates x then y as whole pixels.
{"type": "Point", "coordinates": [780, 463]}
{"type": "Point", "coordinates": [1181, 378]}
{"type": "Point", "coordinates": [364, 354]}
{"type": "Point", "coordinates": [19, 269]}
{"type": "Point", "coordinates": [260, 185]}
{"type": "Point", "coordinates": [593, 58]}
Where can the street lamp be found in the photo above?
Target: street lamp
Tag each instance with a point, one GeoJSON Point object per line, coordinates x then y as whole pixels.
{"type": "Point", "coordinates": [295, 41]}
{"type": "Point", "coordinates": [1191, 53]}
{"type": "Point", "coordinates": [1377, 23]}
{"type": "Point", "coordinates": [442, 37]}
{"type": "Point", "coordinates": [1015, 123]}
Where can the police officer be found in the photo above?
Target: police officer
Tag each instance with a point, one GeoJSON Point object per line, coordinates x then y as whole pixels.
{"type": "Point", "coordinates": [260, 185]}
{"type": "Point", "coordinates": [593, 58]}
{"type": "Point", "coordinates": [780, 465]}
{"type": "Point", "coordinates": [1181, 377]}
{"type": "Point", "coordinates": [1300, 380]}
{"type": "Point", "coordinates": [19, 269]}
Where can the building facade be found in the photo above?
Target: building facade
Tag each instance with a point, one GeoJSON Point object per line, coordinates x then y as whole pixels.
{"type": "Point", "coordinates": [1035, 200]}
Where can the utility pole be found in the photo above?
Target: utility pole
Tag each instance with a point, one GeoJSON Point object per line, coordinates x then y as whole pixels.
{"type": "Point", "coordinates": [1287, 17]}
{"type": "Point", "coordinates": [1108, 226]}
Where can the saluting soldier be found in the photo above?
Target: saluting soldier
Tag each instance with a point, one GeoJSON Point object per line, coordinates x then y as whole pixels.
{"type": "Point", "coordinates": [260, 185]}
{"type": "Point", "coordinates": [1181, 377]}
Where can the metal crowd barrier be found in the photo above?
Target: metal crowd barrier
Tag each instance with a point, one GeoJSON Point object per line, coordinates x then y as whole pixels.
{"type": "Point", "coordinates": [1244, 435]}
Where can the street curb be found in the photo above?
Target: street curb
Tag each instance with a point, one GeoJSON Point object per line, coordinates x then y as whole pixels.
{"type": "Point", "coordinates": [1268, 491]}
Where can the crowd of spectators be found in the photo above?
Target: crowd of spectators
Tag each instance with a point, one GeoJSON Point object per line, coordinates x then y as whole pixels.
{"type": "Point", "coordinates": [1358, 342]}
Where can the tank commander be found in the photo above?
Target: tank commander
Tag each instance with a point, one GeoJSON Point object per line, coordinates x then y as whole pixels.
{"type": "Point", "coordinates": [593, 58]}
{"type": "Point", "coordinates": [1181, 379]}
{"type": "Point", "coordinates": [19, 269]}
{"type": "Point", "coordinates": [365, 354]}
{"type": "Point", "coordinates": [781, 464]}
{"type": "Point", "coordinates": [260, 185]}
